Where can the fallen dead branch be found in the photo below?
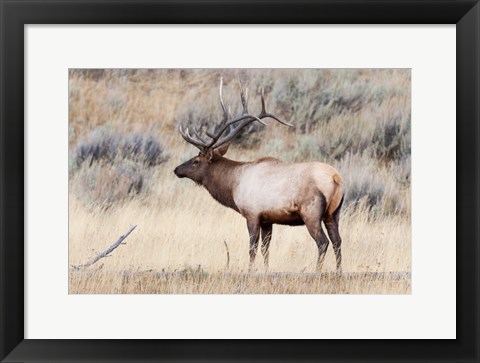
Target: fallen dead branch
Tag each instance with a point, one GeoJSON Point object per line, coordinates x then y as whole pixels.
{"type": "Point", "coordinates": [107, 251]}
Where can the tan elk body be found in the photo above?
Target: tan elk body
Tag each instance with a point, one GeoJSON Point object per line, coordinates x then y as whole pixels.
{"type": "Point", "coordinates": [267, 191]}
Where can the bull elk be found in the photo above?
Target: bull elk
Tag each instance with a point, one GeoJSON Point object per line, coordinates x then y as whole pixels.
{"type": "Point", "coordinates": [266, 191]}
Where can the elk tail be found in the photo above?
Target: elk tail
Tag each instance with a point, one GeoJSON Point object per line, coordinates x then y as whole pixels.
{"type": "Point", "coordinates": [337, 196]}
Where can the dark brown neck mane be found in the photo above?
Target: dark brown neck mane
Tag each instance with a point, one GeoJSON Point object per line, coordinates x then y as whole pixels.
{"type": "Point", "coordinates": [220, 181]}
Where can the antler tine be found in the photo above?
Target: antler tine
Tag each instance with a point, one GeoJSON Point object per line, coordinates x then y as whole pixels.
{"type": "Point", "coordinates": [263, 101]}
{"type": "Point", "coordinates": [187, 131]}
{"type": "Point", "coordinates": [248, 117]}
{"type": "Point", "coordinates": [271, 115]}
{"type": "Point", "coordinates": [243, 97]}
{"type": "Point", "coordinates": [235, 131]}
{"type": "Point", "coordinates": [196, 133]}
{"type": "Point", "coordinates": [264, 113]}
{"type": "Point", "coordinates": [225, 110]}
{"type": "Point", "coordinates": [188, 138]}
{"type": "Point", "coordinates": [210, 135]}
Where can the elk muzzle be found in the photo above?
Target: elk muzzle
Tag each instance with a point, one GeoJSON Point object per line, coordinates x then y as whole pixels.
{"type": "Point", "coordinates": [178, 172]}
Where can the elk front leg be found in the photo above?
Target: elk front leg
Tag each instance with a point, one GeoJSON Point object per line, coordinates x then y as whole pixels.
{"type": "Point", "coordinates": [254, 232]}
{"type": "Point", "coordinates": [266, 237]}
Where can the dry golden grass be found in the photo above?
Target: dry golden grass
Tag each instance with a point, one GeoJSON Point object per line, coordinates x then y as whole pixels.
{"type": "Point", "coordinates": [181, 228]}
{"type": "Point", "coordinates": [179, 243]}
{"type": "Point", "coordinates": [198, 282]}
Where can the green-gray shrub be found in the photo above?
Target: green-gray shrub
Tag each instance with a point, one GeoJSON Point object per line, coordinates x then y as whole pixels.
{"type": "Point", "coordinates": [105, 184]}
{"type": "Point", "coordinates": [106, 145]}
{"type": "Point", "coordinates": [109, 167]}
{"type": "Point", "coordinates": [376, 184]}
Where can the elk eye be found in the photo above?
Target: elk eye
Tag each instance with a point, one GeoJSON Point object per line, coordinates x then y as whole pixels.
{"type": "Point", "coordinates": [195, 162]}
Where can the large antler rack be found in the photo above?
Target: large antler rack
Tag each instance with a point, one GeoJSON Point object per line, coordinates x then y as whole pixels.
{"type": "Point", "coordinates": [231, 126]}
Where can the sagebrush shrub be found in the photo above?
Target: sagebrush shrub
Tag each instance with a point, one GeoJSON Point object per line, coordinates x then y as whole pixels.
{"type": "Point", "coordinates": [111, 167]}
{"type": "Point", "coordinates": [106, 145]}
{"type": "Point", "coordinates": [105, 184]}
{"type": "Point", "coordinates": [374, 184]}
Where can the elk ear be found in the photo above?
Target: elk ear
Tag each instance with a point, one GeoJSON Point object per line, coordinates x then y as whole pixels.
{"type": "Point", "coordinates": [222, 150]}
{"type": "Point", "coordinates": [210, 155]}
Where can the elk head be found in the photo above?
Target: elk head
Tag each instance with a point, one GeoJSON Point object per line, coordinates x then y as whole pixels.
{"type": "Point", "coordinates": [213, 146]}
{"type": "Point", "coordinates": [196, 167]}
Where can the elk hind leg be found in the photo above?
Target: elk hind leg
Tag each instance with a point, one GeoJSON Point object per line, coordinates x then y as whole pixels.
{"type": "Point", "coordinates": [313, 221]}
{"type": "Point", "coordinates": [331, 223]}
{"type": "Point", "coordinates": [266, 238]}
{"type": "Point", "coordinates": [322, 244]}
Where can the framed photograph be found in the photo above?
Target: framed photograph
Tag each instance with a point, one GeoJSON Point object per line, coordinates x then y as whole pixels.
{"type": "Point", "coordinates": [196, 181]}
{"type": "Point", "coordinates": [268, 174]}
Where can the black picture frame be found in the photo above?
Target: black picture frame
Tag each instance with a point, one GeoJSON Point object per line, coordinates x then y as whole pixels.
{"type": "Point", "coordinates": [16, 14]}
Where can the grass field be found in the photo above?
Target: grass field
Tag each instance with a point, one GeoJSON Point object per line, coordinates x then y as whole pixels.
{"type": "Point", "coordinates": [196, 282]}
{"type": "Point", "coordinates": [124, 145]}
